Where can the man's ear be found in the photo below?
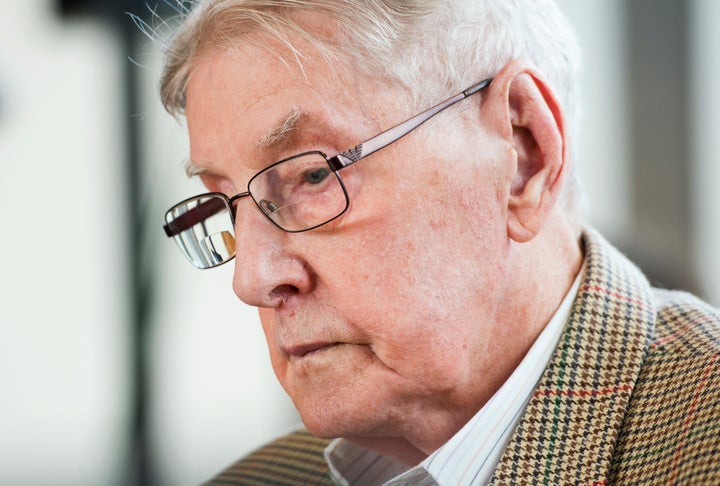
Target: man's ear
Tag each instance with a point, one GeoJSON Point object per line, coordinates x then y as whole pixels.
{"type": "Point", "coordinates": [534, 121]}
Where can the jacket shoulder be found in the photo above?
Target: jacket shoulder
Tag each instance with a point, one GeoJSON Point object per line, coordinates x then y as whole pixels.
{"type": "Point", "coordinates": [671, 433]}
{"type": "Point", "coordinates": [294, 459]}
{"type": "Point", "coordinates": [685, 325]}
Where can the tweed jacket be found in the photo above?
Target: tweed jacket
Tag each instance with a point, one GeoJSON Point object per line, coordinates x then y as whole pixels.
{"type": "Point", "coordinates": [631, 395]}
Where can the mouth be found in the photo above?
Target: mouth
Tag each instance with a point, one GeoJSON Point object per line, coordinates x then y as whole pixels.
{"type": "Point", "coordinates": [303, 350]}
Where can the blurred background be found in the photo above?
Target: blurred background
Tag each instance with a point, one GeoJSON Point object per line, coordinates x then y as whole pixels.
{"type": "Point", "coordinates": [122, 365]}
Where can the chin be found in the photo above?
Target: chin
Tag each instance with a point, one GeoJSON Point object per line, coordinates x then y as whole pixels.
{"type": "Point", "coordinates": [326, 419]}
{"type": "Point", "coordinates": [322, 430]}
{"type": "Point", "coordinates": [340, 418]}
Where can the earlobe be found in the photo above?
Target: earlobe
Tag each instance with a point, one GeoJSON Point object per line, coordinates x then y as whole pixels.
{"type": "Point", "coordinates": [538, 138]}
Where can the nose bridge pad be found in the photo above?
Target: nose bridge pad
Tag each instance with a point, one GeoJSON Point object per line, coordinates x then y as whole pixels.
{"type": "Point", "coordinates": [270, 209]}
{"type": "Point", "coordinates": [268, 206]}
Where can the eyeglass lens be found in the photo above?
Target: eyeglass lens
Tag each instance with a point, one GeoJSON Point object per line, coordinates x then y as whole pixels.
{"type": "Point", "coordinates": [205, 229]}
{"type": "Point", "coordinates": [297, 194]}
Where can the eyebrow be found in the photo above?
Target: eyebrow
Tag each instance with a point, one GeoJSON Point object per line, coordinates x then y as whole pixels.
{"type": "Point", "coordinates": [277, 135]}
{"type": "Point", "coordinates": [193, 170]}
{"type": "Point", "coordinates": [280, 132]}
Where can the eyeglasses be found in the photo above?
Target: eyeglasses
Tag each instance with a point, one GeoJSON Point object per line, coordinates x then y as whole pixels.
{"type": "Point", "coordinates": [296, 194]}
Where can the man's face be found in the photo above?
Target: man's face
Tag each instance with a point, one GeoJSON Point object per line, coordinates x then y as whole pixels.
{"type": "Point", "coordinates": [389, 312]}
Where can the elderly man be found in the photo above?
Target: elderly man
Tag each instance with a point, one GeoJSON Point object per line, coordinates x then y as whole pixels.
{"type": "Point", "coordinates": [393, 180]}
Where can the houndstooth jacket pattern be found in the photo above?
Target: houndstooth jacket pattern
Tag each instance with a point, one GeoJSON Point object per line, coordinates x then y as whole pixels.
{"type": "Point", "coordinates": [631, 395]}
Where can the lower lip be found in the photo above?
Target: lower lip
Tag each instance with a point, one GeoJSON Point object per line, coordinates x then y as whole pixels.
{"type": "Point", "coordinates": [340, 358]}
{"type": "Point", "coordinates": [319, 350]}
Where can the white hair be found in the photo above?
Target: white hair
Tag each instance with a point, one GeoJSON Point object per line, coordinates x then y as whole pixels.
{"type": "Point", "coordinates": [431, 47]}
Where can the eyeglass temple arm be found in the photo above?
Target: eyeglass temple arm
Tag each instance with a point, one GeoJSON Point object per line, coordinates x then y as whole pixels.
{"type": "Point", "coordinates": [395, 133]}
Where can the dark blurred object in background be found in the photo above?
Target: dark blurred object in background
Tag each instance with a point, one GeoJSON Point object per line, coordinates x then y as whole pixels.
{"type": "Point", "coordinates": [139, 470]}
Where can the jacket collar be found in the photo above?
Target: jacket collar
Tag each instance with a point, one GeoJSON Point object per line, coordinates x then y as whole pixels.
{"type": "Point", "coordinates": [569, 429]}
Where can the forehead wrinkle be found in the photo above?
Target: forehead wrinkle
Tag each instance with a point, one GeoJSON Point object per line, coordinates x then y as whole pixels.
{"type": "Point", "coordinates": [281, 132]}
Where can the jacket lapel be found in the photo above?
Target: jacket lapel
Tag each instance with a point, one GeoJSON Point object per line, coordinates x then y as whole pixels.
{"type": "Point", "coordinates": [569, 429]}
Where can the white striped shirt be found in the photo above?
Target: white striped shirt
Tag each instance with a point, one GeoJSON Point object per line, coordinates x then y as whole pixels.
{"type": "Point", "coordinates": [471, 455]}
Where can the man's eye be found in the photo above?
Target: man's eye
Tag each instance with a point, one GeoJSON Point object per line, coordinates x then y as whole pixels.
{"type": "Point", "coordinates": [316, 176]}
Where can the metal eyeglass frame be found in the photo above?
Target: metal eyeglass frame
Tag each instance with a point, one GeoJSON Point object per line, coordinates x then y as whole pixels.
{"type": "Point", "coordinates": [336, 163]}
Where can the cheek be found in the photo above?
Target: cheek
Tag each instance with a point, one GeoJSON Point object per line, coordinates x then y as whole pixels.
{"type": "Point", "coordinates": [405, 298]}
{"type": "Point", "coordinates": [432, 354]}
{"type": "Point", "coordinates": [417, 272]}
{"type": "Point", "coordinates": [430, 287]}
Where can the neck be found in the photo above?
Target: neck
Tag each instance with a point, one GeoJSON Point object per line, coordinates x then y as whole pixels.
{"type": "Point", "coordinates": [540, 275]}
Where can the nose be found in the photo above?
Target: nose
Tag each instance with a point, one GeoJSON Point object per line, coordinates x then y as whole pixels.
{"type": "Point", "coordinates": [268, 270]}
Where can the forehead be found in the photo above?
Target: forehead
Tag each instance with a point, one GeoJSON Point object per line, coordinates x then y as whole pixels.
{"type": "Point", "coordinates": [238, 95]}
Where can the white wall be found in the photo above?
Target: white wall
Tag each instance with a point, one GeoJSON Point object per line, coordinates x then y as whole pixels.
{"type": "Point", "coordinates": [63, 344]}
{"type": "Point", "coordinates": [705, 65]}
{"type": "Point", "coordinates": [603, 159]}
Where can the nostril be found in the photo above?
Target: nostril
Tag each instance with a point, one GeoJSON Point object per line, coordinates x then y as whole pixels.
{"type": "Point", "coordinates": [267, 275]}
{"type": "Point", "coordinates": [284, 292]}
